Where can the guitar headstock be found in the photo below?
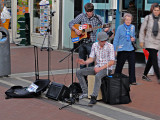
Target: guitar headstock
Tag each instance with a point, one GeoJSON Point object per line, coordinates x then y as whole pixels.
{"type": "Point", "coordinates": [107, 25]}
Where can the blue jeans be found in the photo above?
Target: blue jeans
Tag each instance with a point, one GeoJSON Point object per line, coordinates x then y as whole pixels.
{"type": "Point", "coordinates": [84, 52]}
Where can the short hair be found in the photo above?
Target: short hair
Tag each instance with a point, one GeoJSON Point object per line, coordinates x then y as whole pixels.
{"type": "Point", "coordinates": [131, 3]}
{"type": "Point", "coordinates": [154, 5]}
{"type": "Point", "coordinates": [127, 15]}
{"type": "Point", "coordinates": [89, 7]}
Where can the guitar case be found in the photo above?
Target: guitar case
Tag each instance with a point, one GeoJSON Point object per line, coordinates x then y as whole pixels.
{"type": "Point", "coordinates": [115, 89]}
{"type": "Point", "coordinates": [22, 92]}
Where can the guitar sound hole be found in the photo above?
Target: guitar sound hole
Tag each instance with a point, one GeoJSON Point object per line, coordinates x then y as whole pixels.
{"type": "Point", "coordinates": [83, 30]}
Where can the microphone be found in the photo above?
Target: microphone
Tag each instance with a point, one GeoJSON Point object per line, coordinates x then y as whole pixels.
{"type": "Point", "coordinates": [52, 13]}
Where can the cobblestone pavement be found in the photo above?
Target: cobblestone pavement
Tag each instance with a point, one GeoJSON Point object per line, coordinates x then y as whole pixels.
{"type": "Point", "coordinates": [145, 96]}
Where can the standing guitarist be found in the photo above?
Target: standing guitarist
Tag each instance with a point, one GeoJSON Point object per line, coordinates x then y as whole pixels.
{"type": "Point", "coordinates": [87, 18]}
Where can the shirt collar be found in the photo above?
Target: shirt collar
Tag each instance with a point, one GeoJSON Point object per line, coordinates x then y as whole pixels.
{"type": "Point", "coordinates": [91, 17]}
{"type": "Point", "coordinates": [103, 46]}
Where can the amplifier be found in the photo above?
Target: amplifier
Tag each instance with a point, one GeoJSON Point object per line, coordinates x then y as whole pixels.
{"type": "Point", "coordinates": [58, 91]}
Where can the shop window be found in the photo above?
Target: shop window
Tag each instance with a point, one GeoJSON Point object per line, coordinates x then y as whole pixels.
{"type": "Point", "coordinates": [99, 1]}
{"type": "Point", "coordinates": [6, 3]}
{"type": "Point", "coordinates": [22, 8]}
{"type": "Point", "coordinates": [153, 1]}
{"type": "Point", "coordinates": [36, 15]}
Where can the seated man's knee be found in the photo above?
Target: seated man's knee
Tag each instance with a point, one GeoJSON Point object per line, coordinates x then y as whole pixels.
{"type": "Point", "coordinates": [97, 77]}
{"type": "Point", "coordinates": [79, 72]}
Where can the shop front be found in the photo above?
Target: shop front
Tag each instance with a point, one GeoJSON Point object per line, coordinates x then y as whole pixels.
{"type": "Point", "coordinates": [60, 38]}
{"type": "Point", "coordinates": [19, 9]}
{"type": "Point", "coordinates": [44, 23]}
{"type": "Point", "coordinates": [5, 22]}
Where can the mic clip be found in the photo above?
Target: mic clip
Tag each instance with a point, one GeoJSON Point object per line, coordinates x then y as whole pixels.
{"type": "Point", "coordinates": [52, 13]}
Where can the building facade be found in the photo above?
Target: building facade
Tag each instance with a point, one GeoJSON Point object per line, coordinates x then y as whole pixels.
{"type": "Point", "coordinates": [65, 10]}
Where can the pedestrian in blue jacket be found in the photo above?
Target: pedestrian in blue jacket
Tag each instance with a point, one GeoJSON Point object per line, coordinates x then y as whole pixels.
{"type": "Point", "coordinates": [123, 45]}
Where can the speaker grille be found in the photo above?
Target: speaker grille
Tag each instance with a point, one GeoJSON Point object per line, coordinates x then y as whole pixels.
{"type": "Point", "coordinates": [57, 91]}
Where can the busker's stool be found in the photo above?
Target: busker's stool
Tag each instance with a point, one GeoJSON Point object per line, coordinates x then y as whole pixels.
{"type": "Point", "coordinates": [91, 81]}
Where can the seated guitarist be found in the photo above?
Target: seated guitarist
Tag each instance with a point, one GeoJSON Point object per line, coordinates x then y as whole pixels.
{"type": "Point", "coordinates": [87, 18]}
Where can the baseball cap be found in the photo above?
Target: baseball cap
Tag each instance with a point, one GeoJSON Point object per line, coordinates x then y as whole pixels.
{"type": "Point", "coordinates": [102, 36]}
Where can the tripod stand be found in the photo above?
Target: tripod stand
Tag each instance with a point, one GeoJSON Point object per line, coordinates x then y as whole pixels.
{"type": "Point", "coordinates": [73, 96]}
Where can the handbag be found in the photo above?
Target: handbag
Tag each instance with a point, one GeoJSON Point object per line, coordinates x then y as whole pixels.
{"type": "Point", "coordinates": [134, 45]}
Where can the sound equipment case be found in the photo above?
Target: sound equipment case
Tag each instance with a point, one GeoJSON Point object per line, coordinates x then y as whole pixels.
{"type": "Point", "coordinates": [115, 89]}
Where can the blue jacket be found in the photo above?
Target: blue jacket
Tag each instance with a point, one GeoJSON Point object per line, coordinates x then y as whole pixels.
{"type": "Point", "coordinates": [120, 40]}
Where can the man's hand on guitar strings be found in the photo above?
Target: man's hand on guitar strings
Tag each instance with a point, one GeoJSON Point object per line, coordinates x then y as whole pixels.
{"type": "Point", "coordinates": [78, 32]}
{"type": "Point", "coordinates": [106, 29]}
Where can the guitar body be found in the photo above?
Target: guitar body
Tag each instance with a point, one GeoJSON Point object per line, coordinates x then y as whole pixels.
{"type": "Point", "coordinates": [85, 29]}
{"type": "Point", "coordinates": [82, 29]}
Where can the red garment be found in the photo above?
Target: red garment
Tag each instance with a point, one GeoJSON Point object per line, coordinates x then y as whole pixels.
{"type": "Point", "coordinates": [146, 53]}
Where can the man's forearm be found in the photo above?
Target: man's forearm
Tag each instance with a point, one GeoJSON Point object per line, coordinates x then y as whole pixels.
{"type": "Point", "coordinates": [89, 60]}
{"type": "Point", "coordinates": [109, 64]}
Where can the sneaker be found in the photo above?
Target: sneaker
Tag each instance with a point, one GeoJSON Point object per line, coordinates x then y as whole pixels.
{"type": "Point", "coordinates": [83, 96]}
{"type": "Point", "coordinates": [146, 78]}
{"type": "Point", "coordinates": [92, 101]}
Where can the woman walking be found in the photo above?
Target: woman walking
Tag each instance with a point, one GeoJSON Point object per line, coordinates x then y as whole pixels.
{"type": "Point", "coordinates": [149, 38]}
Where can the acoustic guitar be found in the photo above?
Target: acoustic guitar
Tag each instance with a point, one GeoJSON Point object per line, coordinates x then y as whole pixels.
{"type": "Point", "coordinates": [85, 29]}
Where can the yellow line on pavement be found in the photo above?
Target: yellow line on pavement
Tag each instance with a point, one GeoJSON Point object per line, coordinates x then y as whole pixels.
{"type": "Point", "coordinates": [7, 83]}
{"type": "Point", "coordinates": [93, 113]}
{"type": "Point", "coordinates": [123, 111]}
{"type": "Point", "coordinates": [21, 79]}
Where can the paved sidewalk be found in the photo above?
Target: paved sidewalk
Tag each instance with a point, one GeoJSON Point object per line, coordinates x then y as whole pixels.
{"type": "Point", "coordinates": [145, 96]}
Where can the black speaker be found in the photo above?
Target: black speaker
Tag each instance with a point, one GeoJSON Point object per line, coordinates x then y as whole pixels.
{"type": "Point", "coordinates": [58, 91]}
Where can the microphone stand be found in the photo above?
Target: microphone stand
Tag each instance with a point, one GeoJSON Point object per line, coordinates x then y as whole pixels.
{"type": "Point", "coordinates": [72, 97]}
{"type": "Point", "coordinates": [48, 48]}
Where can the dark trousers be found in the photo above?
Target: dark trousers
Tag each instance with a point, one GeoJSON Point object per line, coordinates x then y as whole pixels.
{"type": "Point", "coordinates": [122, 56]}
{"type": "Point", "coordinates": [84, 52]}
{"type": "Point", "coordinates": [152, 60]}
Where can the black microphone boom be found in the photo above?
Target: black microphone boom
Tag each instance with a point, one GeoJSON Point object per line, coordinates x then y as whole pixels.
{"type": "Point", "coordinates": [52, 13]}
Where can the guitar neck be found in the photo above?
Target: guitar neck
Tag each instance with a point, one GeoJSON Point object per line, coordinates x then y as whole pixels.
{"type": "Point", "coordinates": [94, 28]}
